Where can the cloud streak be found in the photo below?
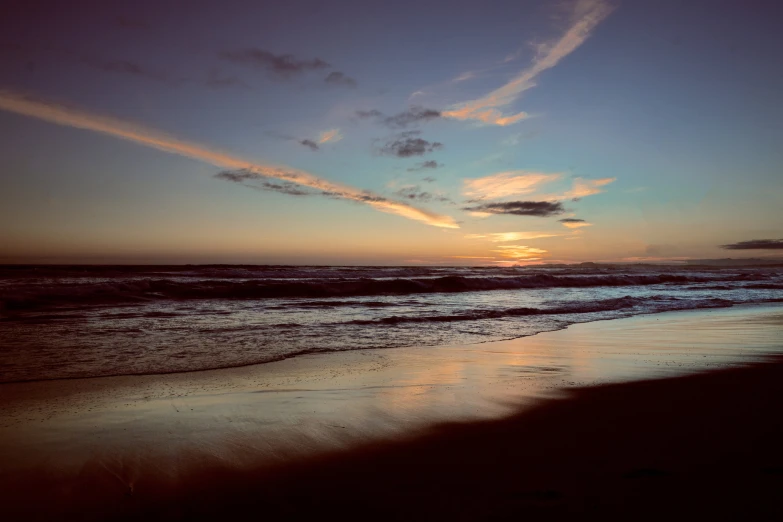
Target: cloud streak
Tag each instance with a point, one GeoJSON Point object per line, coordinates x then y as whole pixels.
{"type": "Point", "coordinates": [587, 14]}
{"type": "Point", "coordinates": [340, 78]}
{"type": "Point", "coordinates": [283, 65]}
{"type": "Point", "coordinates": [756, 244]}
{"type": "Point", "coordinates": [425, 165]}
{"type": "Point", "coordinates": [412, 116]}
{"type": "Point", "coordinates": [330, 136]}
{"type": "Point", "coordinates": [574, 223]}
{"type": "Point", "coordinates": [504, 184]}
{"type": "Point", "coordinates": [68, 117]}
{"type": "Point", "coordinates": [519, 208]}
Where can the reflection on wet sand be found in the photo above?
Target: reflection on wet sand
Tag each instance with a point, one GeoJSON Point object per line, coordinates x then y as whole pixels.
{"type": "Point", "coordinates": [299, 406]}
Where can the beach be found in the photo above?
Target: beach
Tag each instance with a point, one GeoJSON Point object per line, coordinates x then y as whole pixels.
{"type": "Point", "coordinates": [148, 445]}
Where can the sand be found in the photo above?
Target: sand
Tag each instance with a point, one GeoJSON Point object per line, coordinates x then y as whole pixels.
{"type": "Point", "coordinates": [168, 445]}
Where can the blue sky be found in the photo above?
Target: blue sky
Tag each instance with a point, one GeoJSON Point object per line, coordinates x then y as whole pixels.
{"type": "Point", "coordinates": [652, 128]}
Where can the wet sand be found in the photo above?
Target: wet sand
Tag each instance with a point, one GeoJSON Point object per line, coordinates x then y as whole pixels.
{"type": "Point", "coordinates": [255, 438]}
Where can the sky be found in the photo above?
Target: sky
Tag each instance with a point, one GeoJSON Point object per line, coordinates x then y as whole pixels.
{"type": "Point", "coordinates": [366, 132]}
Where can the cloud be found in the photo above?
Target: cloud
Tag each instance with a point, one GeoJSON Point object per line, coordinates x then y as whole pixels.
{"type": "Point", "coordinates": [464, 76]}
{"type": "Point", "coordinates": [587, 14]}
{"type": "Point", "coordinates": [425, 165]}
{"type": "Point", "coordinates": [520, 208]}
{"type": "Point", "coordinates": [412, 116]}
{"type": "Point", "coordinates": [309, 144]}
{"type": "Point", "coordinates": [520, 252]}
{"type": "Point", "coordinates": [505, 184]}
{"type": "Point", "coordinates": [516, 139]}
{"type": "Point", "coordinates": [130, 68]}
{"type": "Point", "coordinates": [756, 244]}
{"type": "Point", "coordinates": [405, 145]}
{"type": "Point", "coordinates": [414, 192]}
{"type": "Point", "coordinates": [574, 223]}
{"type": "Point", "coordinates": [68, 117]}
{"type": "Point", "coordinates": [331, 135]}
{"type": "Point", "coordinates": [586, 187]}
{"type": "Point", "coordinates": [282, 65]}
{"type": "Point", "coordinates": [339, 78]}
{"type": "Point", "coordinates": [502, 237]}
{"type": "Point", "coordinates": [244, 176]}
{"type": "Point", "coordinates": [373, 113]}
{"type": "Point", "coordinates": [428, 179]}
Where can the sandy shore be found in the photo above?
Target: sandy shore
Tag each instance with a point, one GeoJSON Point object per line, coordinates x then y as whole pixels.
{"type": "Point", "coordinates": [115, 445]}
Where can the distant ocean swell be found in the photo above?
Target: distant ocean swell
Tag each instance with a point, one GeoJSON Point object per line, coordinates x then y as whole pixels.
{"type": "Point", "coordinates": [36, 296]}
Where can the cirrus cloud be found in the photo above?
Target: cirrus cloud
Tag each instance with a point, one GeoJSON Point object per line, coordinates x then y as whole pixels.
{"type": "Point", "coordinates": [586, 15]}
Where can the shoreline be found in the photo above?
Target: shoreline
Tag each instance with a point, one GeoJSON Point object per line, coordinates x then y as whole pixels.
{"type": "Point", "coordinates": [288, 411]}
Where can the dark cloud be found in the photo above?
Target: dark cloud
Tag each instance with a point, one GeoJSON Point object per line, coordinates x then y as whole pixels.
{"type": "Point", "coordinates": [431, 164]}
{"type": "Point", "coordinates": [130, 68]}
{"type": "Point", "coordinates": [756, 244]}
{"type": "Point", "coordinates": [339, 78]}
{"type": "Point", "coordinates": [283, 65]}
{"type": "Point", "coordinates": [412, 116]}
{"type": "Point", "coordinates": [260, 182]}
{"type": "Point", "coordinates": [310, 144]}
{"type": "Point", "coordinates": [369, 114]}
{"type": "Point", "coordinates": [406, 145]}
{"type": "Point", "coordinates": [571, 220]}
{"type": "Point", "coordinates": [416, 194]}
{"type": "Point", "coordinates": [429, 179]}
{"type": "Point", "coordinates": [520, 208]}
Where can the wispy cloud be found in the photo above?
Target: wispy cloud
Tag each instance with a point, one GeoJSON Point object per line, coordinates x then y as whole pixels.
{"type": "Point", "coordinates": [586, 187]}
{"type": "Point", "coordinates": [68, 117]}
{"type": "Point", "coordinates": [425, 165]}
{"type": "Point", "coordinates": [340, 78]}
{"type": "Point", "coordinates": [408, 144]}
{"type": "Point", "coordinates": [330, 136]}
{"type": "Point", "coordinates": [756, 244]}
{"type": "Point", "coordinates": [504, 184]}
{"type": "Point", "coordinates": [519, 208]}
{"type": "Point", "coordinates": [574, 223]}
{"type": "Point", "coordinates": [587, 14]}
{"type": "Point", "coordinates": [502, 237]}
{"type": "Point", "coordinates": [256, 181]}
{"type": "Point", "coordinates": [282, 65]}
{"type": "Point", "coordinates": [415, 193]}
{"type": "Point", "coordinates": [130, 68]}
{"type": "Point", "coordinates": [412, 116]}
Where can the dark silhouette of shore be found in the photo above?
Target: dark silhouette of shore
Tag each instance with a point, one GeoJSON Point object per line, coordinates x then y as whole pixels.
{"type": "Point", "coordinates": [705, 446]}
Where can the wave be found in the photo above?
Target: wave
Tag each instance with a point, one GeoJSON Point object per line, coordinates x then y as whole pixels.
{"type": "Point", "coordinates": [652, 304]}
{"type": "Point", "coordinates": [37, 296]}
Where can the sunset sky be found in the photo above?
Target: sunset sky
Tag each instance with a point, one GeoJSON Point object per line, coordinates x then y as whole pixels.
{"type": "Point", "coordinates": [390, 132]}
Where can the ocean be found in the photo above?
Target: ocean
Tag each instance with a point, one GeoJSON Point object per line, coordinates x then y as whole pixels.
{"type": "Point", "coordinates": [59, 322]}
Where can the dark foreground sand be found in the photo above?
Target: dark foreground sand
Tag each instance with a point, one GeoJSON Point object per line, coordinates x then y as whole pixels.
{"type": "Point", "coordinates": [701, 447]}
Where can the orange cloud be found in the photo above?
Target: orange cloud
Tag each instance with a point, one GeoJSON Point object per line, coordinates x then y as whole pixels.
{"type": "Point", "coordinates": [576, 224]}
{"type": "Point", "coordinates": [587, 187]}
{"type": "Point", "coordinates": [587, 14]}
{"type": "Point", "coordinates": [68, 117]}
{"type": "Point", "coordinates": [331, 135]}
{"type": "Point", "coordinates": [505, 184]}
{"type": "Point", "coordinates": [520, 252]}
